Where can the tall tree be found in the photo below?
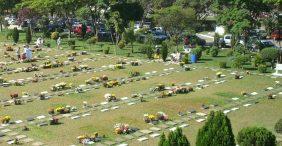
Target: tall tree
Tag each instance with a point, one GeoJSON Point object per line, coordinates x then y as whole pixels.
{"type": "Point", "coordinates": [216, 131]}
{"type": "Point", "coordinates": [175, 20]}
{"type": "Point", "coordinates": [175, 138]}
{"type": "Point", "coordinates": [254, 136]}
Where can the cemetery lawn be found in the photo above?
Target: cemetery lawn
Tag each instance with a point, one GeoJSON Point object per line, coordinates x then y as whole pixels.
{"type": "Point", "coordinates": [265, 113]}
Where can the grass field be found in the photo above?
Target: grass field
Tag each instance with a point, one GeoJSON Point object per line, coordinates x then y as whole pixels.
{"type": "Point", "coordinates": [265, 113]}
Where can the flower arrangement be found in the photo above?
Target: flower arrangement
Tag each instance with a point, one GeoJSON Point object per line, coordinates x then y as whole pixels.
{"type": "Point", "coordinates": [270, 96]}
{"type": "Point", "coordinates": [47, 64]}
{"type": "Point", "coordinates": [85, 139]}
{"type": "Point", "coordinates": [165, 94]}
{"type": "Point", "coordinates": [14, 95]}
{"type": "Point", "coordinates": [61, 86]}
{"type": "Point", "coordinates": [218, 74]}
{"type": "Point", "coordinates": [62, 110]}
{"type": "Point", "coordinates": [160, 87]}
{"type": "Point", "coordinates": [110, 97]}
{"type": "Point", "coordinates": [180, 90]}
{"type": "Point", "coordinates": [118, 66]}
{"type": "Point", "coordinates": [9, 48]}
{"type": "Point", "coordinates": [160, 116]}
{"type": "Point", "coordinates": [244, 93]}
{"type": "Point", "coordinates": [111, 84]}
{"type": "Point", "coordinates": [121, 128]}
{"type": "Point", "coordinates": [54, 121]}
{"type": "Point", "coordinates": [5, 119]}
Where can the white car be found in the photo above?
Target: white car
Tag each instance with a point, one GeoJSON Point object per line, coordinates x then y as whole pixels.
{"type": "Point", "coordinates": [227, 40]}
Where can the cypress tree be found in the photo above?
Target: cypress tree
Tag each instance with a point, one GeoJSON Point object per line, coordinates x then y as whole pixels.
{"type": "Point", "coordinates": [83, 30]}
{"type": "Point", "coordinates": [164, 51]}
{"type": "Point", "coordinates": [216, 131]}
{"type": "Point", "coordinates": [15, 35]}
{"type": "Point", "coordinates": [28, 35]}
{"type": "Point", "coordinates": [254, 136]}
{"type": "Point", "coordinates": [175, 138]}
{"type": "Point", "coordinates": [162, 140]}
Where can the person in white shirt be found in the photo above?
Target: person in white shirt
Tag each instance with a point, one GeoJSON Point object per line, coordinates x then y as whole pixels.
{"type": "Point", "coordinates": [59, 40]}
{"type": "Point", "coordinates": [28, 52]}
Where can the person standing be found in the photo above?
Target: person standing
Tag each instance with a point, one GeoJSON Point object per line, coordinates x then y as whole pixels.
{"type": "Point", "coordinates": [28, 52]}
{"type": "Point", "coordinates": [59, 40]}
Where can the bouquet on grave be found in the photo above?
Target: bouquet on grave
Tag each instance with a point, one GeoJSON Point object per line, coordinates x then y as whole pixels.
{"type": "Point", "coordinates": [85, 139]}
{"type": "Point", "coordinates": [54, 121]}
{"type": "Point", "coordinates": [122, 128]}
{"type": "Point", "coordinates": [61, 86]}
{"type": "Point", "coordinates": [104, 78]}
{"type": "Point", "coordinates": [159, 87]}
{"type": "Point", "coordinates": [47, 64]}
{"type": "Point", "coordinates": [110, 97]}
{"type": "Point", "coordinates": [165, 94]}
{"type": "Point", "coordinates": [111, 84]}
{"type": "Point", "coordinates": [63, 109]}
{"type": "Point", "coordinates": [180, 90]}
{"type": "Point", "coordinates": [148, 118]}
{"type": "Point", "coordinates": [161, 116]}
{"type": "Point", "coordinates": [9, 48]}
{"type": "Point", "coordinates": [218, 74]}
{"type": "Point", "coordinates": [119, 66]}
{"type": "Point", "coordinates": [5, 119]}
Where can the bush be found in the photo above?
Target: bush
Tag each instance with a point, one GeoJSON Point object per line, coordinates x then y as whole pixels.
{"type": "Point", "coordinates": [28, 37]}
{"type": "Point", "coordinates": [257, 60]}
{"type": "Point", "coordinates": [262, 68]}
{"type": "Point", "coordinates": [239, 61]}
{"type": "Point", "coordinates": [92, 40]}
{"type": "Point", "coordinates": [55, 35]}
{"type": "Point", "coordinates": [121, 44]}
{"type": "Point", "coordinates": [254, 136]}
{"type": "Point", "coordinates": [278, 126]}
{"type": "Point", "coordinates": [15, 35]}
{"type": "Point", "coordinates": [198, 52]}
{"type": "Point", "coordinates": [214, 51]}
{"type": "Point", "coordinates": [186, 59]}
{"type": "Point", "coordinates": [107, 50]}
{"type": "Point", "coordinates": [269, 54]}
{"type": "Point", "coordinates": [71, 42]}
{"type": "Point", "coordinates": [216, 131]}
{"type": "Point", "coordinates": [240, 49]}
{"type": "Point", "coordinates": [222, 64]}
{"type": "Point", "coordinates": [229, 53]}
{"type": "Point", "coordinates": [64, 35]}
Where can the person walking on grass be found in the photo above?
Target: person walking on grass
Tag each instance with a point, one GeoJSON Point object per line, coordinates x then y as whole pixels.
{"type": "Point", "coordinates": [59, 41]}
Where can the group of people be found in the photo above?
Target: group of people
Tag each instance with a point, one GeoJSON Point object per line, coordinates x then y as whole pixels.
{"type": "Point", "coordinates": [26, 55]}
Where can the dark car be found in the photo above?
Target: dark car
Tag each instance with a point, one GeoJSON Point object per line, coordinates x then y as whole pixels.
{"type": "Point", "coordinates": [159, 36]}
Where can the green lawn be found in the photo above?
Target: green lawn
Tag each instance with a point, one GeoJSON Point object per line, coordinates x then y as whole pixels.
{"type": "Point", "coordinates": [265, 113]}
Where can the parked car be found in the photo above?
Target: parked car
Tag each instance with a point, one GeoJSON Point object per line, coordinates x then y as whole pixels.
{"type": "Point", "coordinates": [159, 36]}
{"type": "Point", "coordinates": [227, 40]}
{"type": "Point", "coordinates": [78, 29]}
{"type": "Point", "coordinates": [276, 35]}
